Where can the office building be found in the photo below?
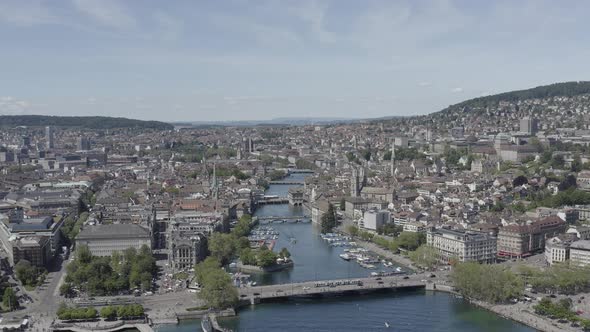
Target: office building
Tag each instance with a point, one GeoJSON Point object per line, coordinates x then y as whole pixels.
{"type": "Point", "coordinates": [529, 125]}
{"type": "Point", "coordinates": [49, 138]}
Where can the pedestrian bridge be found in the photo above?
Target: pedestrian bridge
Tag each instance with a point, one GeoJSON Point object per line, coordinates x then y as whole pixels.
{"type": "Point", "coordinates": [289, 182]}
{"type": "Point", "coordinates": [314, 288]}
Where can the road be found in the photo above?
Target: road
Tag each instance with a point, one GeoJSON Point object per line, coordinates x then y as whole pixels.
{"type": "Point", "coordinates": [310, 287]}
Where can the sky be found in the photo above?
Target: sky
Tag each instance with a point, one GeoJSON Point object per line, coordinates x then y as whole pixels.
{"type": "Point", "coordinates": [221, 60]}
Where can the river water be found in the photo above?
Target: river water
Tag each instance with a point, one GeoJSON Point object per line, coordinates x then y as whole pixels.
{"type": "Point", "coordinates": [316, 260]}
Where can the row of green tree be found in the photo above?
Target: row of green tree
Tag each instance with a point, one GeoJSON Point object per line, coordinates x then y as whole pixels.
{"type": "Point", "coordinates": [561, 309]}
{"type": "Point", "coordinates": [9, 300]}
{"type": "Point", "coordinates": [72, 313]}
{"type": "Point", "coordinates": [405, 240]}
{"type": "Point", "coordinates": [122, 311]}
{"type": "Point", "coordinates": [109, 275]}
{"type": "Point", "coordinates": [489, 283]}
{"type": "Point", "coordinates": [71, 226]}
{"type": "Point", "coordinates": [558, 278]}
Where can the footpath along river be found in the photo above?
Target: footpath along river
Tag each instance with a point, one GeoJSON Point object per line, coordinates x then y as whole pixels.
{"type": "Point", "coordinates": [315, 259]}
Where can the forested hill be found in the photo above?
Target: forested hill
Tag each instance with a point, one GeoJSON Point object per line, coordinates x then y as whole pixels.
{"type": "Point", "coordinates": [90, 122]}
{"type": "Point", "coordinates": [566, 89]}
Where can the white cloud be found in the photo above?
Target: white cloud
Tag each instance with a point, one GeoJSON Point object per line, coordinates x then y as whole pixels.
{"type": "Point", "coordinates": [313, 13]}
{"type": "Point", "coordinates": [25, 13]}
{"type": "Point", "coordinates": [457, 90]}
{"type": "Point", "coordinates": [170, 27]}
{"type": "Point", "coordinates": [106, 12]}
{"type": "Point", "coordinates": [13, 106]}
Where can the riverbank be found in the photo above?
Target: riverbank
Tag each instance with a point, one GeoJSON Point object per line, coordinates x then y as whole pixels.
{"type": "Point", "coordinates": [269, 269]}
{"type": "Point", "coordinates": [403, 261]}
{"type": "Point", "coordinates": [520, 312]}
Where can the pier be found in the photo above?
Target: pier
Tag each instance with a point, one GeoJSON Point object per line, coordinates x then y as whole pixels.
{"type": "Point", "coordinates": [317, 288]}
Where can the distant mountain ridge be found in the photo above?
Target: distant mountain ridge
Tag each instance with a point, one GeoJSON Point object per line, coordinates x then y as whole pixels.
{"type": "Point", "coordinates": [277, 121]}
{"type": "Point", "coordinates": [89, 122]}
{"type": "Point", "coordinates": [565, 89]}
{"type": "Point", "coordinates": [558, 105]}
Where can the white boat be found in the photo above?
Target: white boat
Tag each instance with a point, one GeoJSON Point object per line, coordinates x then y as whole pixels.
{"type": "Point", "coordinates": [386, 324]}
{"type": "Point", "coordinates": [346, 256]}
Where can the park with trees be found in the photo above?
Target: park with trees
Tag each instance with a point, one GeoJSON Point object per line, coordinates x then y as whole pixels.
{"type": "Point", "coordinates": [488, 283]}
{"type": "Point", "coordinates": [112, 275]}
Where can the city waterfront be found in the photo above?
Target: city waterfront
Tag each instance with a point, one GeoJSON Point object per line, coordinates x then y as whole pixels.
{"type": "Point", "coordinates": [404, 311]}
{"type": "Point", "coordinates": [315, 259]}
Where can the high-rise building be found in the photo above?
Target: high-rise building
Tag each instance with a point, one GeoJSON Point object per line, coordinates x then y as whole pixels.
{"type": "Point", "coordinates": [83, 143]}
{"type": "Point", "coordinates": [248, 145]}
{"type": "Point", "coordinates": [529, 125]}
{"type": "Point", "coordinates": [25, 141]}
{"type": "Point", "coordinates": [49, 139]}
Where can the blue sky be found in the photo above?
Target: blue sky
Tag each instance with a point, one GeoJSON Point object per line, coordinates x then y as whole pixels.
{"type": "Point", "coordinates": [244, 60]}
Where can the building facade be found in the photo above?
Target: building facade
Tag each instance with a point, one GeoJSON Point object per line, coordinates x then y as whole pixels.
{"type": "Point", "coordinates": [462, 245]}
{"type": "Point", "coordinates": [103, 240]}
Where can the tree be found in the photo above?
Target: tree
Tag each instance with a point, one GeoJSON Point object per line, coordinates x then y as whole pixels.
{"type": "Point", "coordinates": [328, 220]}
{"type": "Point", "coordinates": [266, 257]}
{"type": "Point", "coordinates": [558, 161]}
{"type": "Point", "coordinates": [247, 256]}
{"type": "Point", "coordinates": [425, 255]}
{"type": "Point", "coordinates": [218, 291]}
{"type": "Point", "coordinates": [26, 273]}
{"type": "Point", "coordinates": [108, 312]}
{"type": "Point", "coordinates": [66, 290]}
{"type": "Point", "coordinates": [568, 182]}
{"type": "Point", "coordinates": [222, 247]}
{"type": "Point", "coordinates": [352, 230]}
{"type": "Point", "coordinates": [490, 283]}
{"type": "Point", "coordinates": [284, 253]}
{"type": "Point", "coordinates": [576, 165]}
{"type": "Point", "coordinates": [519, 181]}
{"type": "Point", "coordinates": [9, 299]}
{"type": "Point", "coordinates": [83, 254]}
{"type": "Point", "coordinates": [206, 266]}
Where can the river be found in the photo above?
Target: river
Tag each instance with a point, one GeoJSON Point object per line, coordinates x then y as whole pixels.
{"type": "Point", "coordinates": [316, 260]}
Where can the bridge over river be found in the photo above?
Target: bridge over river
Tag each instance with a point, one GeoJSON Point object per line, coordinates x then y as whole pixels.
{"type": "Point", "coordinates": [309, 288]}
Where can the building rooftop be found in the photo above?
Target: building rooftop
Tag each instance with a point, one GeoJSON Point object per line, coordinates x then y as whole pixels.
{"type": "Point", "coordinates": [115, 231]}
{"type": "Point", "coordinates": [582, 244]}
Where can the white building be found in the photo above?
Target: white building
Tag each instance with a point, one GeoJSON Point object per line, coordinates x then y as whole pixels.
{"type": "Point", "coordinates": [580, 253]}
{"type": "Point", "coordinates": [374, 219]}
{"type": "Point", "coordinates": [581, 232]}
{"type": "Point", "coordinates": [557, 249]}
{"type": "Point", "coordinates": [414, 227]}
{"type": "Point", "coordinates": [462, 245]}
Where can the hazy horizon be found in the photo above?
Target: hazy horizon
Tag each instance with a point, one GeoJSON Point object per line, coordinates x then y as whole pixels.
{"type": "Point", "coordinates": [241, 60]}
